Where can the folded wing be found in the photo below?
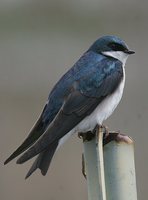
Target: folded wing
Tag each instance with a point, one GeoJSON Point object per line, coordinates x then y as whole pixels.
{"type": "Point", "coordinates": [77, 105]}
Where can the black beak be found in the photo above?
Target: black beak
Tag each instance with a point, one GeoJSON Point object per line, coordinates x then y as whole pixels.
{"type": "Point", "coordinates": [129, 51]}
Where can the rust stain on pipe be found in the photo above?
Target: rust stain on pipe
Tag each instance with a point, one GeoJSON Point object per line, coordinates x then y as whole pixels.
{"type": "Point", "coordinates": [117, 137]}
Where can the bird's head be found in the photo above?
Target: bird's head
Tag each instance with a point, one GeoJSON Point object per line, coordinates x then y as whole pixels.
{"type": "Point", "coordinates": [112, 46]}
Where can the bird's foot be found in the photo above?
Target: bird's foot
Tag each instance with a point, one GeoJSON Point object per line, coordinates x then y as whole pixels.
{"type": "Point", "coordinates": [105, 131]}
{"type": "Point", "coordinates": [86, 136]}
{"type": "Point", "coordinates": [104, 128]}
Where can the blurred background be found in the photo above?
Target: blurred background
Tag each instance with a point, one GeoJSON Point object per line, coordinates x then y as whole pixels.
{"type": "Point", "coordinates": [39, 41]}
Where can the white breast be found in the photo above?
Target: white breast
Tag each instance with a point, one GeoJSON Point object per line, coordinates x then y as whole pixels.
{"type": "Point", "coordinates": [103, 110]}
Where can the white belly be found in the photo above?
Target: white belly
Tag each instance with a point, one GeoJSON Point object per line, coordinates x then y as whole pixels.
{"type": "Point", "coordinates": [101, 113]}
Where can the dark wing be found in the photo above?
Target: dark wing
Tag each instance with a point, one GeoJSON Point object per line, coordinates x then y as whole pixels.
{"type": "Point", "coordinates": [64, 121]}
{"type": "Point", "coordinates": [37, 130]}
{"type": "Point", "coordinates": [75, 108]}
{"type": "Point", "coordinates": [54, 104]}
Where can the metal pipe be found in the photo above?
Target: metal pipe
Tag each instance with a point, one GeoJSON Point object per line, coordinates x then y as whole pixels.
{"type": "Point", "coordinates": [119, 169]}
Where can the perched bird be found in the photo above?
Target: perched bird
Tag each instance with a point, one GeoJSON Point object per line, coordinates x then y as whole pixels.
{"type": "Point", "coordinates": [84, 97]}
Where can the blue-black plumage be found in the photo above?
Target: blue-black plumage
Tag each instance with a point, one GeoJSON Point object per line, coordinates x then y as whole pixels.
{"type": "Point", "coordinates": [84, 97]}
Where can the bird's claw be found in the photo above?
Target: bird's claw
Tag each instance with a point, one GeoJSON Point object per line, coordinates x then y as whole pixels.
{"type": "Point", "coordinates": [86, 136]}
{"type": "Point", "coordinates": [104, 128]}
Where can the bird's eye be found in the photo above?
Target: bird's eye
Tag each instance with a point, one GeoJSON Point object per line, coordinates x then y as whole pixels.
{"type": "Point", "coordinates": [112, 45]}
{"type": "Point", "coordinates": [117, 47]}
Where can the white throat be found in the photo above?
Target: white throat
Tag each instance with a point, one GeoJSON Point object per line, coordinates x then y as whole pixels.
{"type": "Point", "coordinates": [120, 55]}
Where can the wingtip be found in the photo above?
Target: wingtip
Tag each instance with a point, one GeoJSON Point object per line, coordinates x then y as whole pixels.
{"type": "Point", "coordinates": [7, 160]}
{"type": "Point", "coordinates": [25, 157]}
{"type": "Point", "coordinates": [13, 155]}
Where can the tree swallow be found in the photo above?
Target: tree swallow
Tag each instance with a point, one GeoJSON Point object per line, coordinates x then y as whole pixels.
{"type": "Point", "coordinates": [85, 96]}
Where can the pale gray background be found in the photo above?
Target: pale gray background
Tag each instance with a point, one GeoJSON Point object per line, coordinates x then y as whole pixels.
{"type": "Point", "coordinates": [39, 41]}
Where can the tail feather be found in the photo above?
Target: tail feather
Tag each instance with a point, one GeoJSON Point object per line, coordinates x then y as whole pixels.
{"type": "Point", "coordinates": [43, 160]}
